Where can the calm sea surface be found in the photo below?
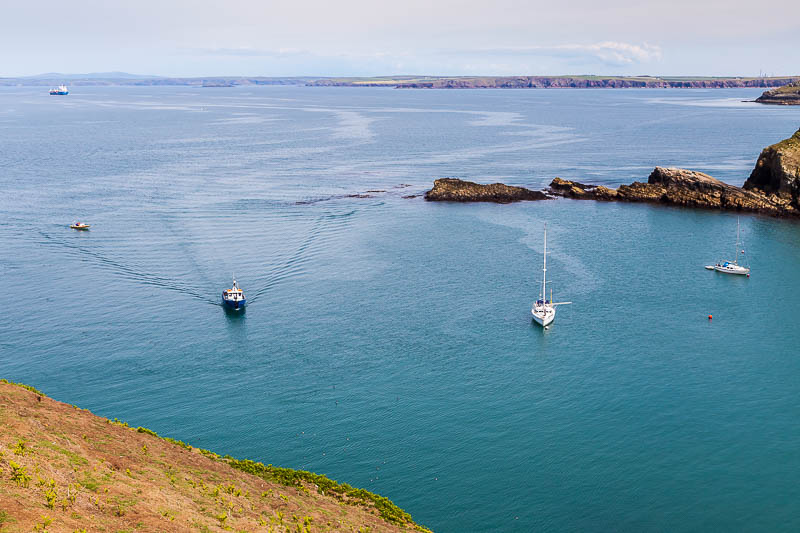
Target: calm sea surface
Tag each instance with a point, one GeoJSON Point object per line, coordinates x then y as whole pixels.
{"type": "Point", "coordinates": [388, 341]}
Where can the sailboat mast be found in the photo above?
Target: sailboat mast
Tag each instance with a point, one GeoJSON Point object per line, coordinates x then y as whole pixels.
{"type": "Point", "coordinates": [544, 268]}
{"type": "Point", "coordinates": [736, 257]}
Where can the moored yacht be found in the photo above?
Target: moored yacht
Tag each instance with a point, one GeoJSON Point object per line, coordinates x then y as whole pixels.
{"type": "Point", "coordinates": [234, 297]}
{"type": "Point", "coordinates": [733, 267]}
{"type": "Point", "coordinates": [61, 90]}
{"type": "Point", "coordinates": [544, 310]}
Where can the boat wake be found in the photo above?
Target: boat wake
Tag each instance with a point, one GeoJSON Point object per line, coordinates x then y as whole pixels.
{"type": "Point", "coordinates": [324, 228]}
{"type": "Point", "coordinates": [126, 271]}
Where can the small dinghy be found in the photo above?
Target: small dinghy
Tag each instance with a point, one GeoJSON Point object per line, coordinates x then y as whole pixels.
{"type": "Point", "coordinates": [79, 225]}
{"type": "Point", "coordinates": [233, 298]}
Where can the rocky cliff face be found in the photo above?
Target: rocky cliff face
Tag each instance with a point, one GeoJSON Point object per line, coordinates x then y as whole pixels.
{"type": "Point", "coordinates": [456, 190]}
{"type": "Point", "coordinates": [680, 187]}
{"type": "Point", "coordinates": [537, 82]}
{"type": "Point", "coordinates": [786, 95]}
{"type": "Point", "coordinates": [777, 172]}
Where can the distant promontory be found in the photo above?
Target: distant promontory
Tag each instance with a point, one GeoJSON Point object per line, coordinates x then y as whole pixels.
{"type": "Point", "coordinates": [786, 95]}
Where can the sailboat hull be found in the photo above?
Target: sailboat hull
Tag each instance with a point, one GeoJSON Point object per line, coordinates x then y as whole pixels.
{"type": "Point", "coordinates": [543, 318]}
{"type": "Point", "coordinates": [732, 270]}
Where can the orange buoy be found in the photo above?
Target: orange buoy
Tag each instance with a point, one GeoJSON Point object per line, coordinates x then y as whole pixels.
{"type": "Point", "coordinates": [710, 317]}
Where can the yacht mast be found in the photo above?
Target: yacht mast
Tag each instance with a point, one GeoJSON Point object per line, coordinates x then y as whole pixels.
{"type": "Point", "coordinates": [544, 268]}
{"type": "Point", "coordinates": [736, 257]}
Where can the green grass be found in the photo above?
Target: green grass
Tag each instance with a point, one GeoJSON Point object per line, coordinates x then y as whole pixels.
{"type": "Point", "coordinates": [792, 88]}
{"type": "Point", "coordinates": [37, 391]}
{"type": "Point", "coordinates": [89, 482]}
{"type": "Point", "coordinates": [73, 457]}
{"type": "Point", "coordinates": [342, 491]}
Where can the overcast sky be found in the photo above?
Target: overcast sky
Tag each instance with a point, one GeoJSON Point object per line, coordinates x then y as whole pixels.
{"type": "Point", "coordinates": [376, 37]}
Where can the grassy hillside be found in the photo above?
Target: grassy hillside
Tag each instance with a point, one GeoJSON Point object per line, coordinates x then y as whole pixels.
{"type": "Point", "coordinates": [64, 469]}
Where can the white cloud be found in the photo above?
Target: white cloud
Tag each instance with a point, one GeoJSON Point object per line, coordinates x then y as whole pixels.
{"type": "Point", "coordinates": [624, 53]}
{"type": "Point", "coordinates": [609, 52]}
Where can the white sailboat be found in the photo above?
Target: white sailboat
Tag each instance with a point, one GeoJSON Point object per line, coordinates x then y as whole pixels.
{"type": "Point", "coordinates": [544, 310]}
{"type": "Point", "coordinates": [732, 267]}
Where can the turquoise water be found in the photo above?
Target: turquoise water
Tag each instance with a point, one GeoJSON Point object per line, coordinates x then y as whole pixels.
{"type": "Point", "coordinates": [388, 341]}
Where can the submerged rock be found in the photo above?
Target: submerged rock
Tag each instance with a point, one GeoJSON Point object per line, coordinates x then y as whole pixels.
{"type": "Point", "coordinates": [786, 95]}
{"type": "Point", "coordinates": [456, 190]}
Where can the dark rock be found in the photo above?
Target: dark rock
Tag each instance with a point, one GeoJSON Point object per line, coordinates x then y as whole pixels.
{"type": "Point", "coordinates": [777, 171]}
{"type": "Point", "coordinates": [680, 187]}
{"type": "Point", "coordinates": [456, 190]}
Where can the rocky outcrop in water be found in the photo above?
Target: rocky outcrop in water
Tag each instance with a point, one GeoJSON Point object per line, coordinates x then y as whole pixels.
{"type": "Point", "coordinates": [456, 190]}
{"type": "Point", "coordinates": [773, 187]}
{"type": "Point", "coordinates": [680, 187]}
{"type": "Point", "coordinates": [777, 172]}
{"type": "Point", "coordinates": [786, 95]}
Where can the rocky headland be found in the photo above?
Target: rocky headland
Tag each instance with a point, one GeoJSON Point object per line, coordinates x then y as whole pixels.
{"type": "Point", "coordinates": [680, 187]}
{"type": "Point", "coordinates": [456, 190]}
{"type": "Point", "coordinates": [786, 95]}
{"type": "Point", "coordinates": [777, 172]}
{"type": "Point", "coordinates": [64, 469]}
{"type": "Point", "coordinates": [773, 187]}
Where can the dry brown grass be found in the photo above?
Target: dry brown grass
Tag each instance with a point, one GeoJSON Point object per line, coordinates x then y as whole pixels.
{"type": "Point", "coordinates": [64, 469]}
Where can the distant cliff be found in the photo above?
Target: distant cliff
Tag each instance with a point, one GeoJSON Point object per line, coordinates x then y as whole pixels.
{"type": "Point", "coordinates": [786, 95]}
{"type": "Point", "coordinates": [544, 82]}
{"type": "Point", "coordinates": [406, 82]}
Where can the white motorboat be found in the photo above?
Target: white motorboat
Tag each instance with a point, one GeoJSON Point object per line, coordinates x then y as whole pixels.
{"type": "Point", "coordinates": [733, 267]}
{"type": "Point", "coordinates": [544, 310]}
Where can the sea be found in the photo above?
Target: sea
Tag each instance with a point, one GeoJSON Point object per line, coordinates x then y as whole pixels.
{"type": "Point", "coordinates": [388, 341]}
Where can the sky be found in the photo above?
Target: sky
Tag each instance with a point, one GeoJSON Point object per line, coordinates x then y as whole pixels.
{"type": "Point", "coordinates": [378, 37]}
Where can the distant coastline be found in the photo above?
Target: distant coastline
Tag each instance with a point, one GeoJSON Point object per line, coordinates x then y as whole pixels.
{"type": "Point", "coordinates": [410, 82]}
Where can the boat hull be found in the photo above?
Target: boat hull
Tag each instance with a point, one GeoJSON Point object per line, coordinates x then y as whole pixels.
{"type": "Point", "coordinates": [59, 93]}
{"type": "Point", "coordinates": [543, 319]}
{"type": "Point", "coordinates": [236, 305]}
{"type": "Point", "coordinates": [735, 271]}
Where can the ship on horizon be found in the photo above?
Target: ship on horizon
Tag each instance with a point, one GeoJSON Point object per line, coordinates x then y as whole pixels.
{"type": "Point", "coordinates": [60, 90]}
